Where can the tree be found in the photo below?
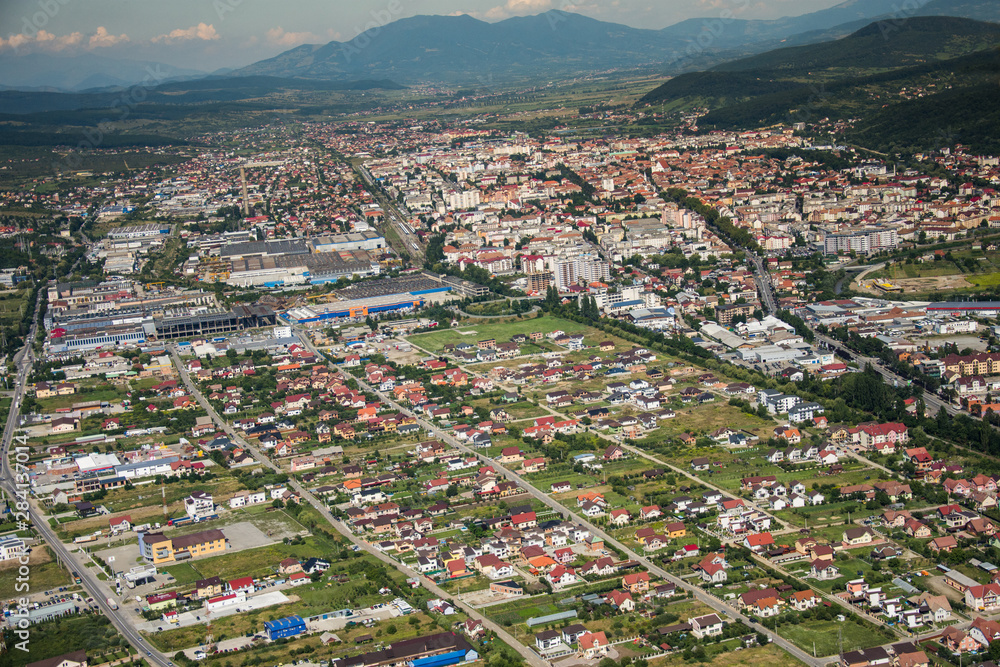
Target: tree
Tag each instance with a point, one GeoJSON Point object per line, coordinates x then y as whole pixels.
{"type": "Point", "coordinates": [451, 491]}
{"type": "Point", "coordinates": [277, 504]}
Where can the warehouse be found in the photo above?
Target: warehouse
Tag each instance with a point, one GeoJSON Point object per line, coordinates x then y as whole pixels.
{"type": "Point", "coordinates": [366, 240]}
{"type": "Point", "coordinates": [357, 308]}
{"type": "Point", "coordinates": [445, 648]}
{"type": "Point", "coordinates": [196, 325]}
{"type": "Point", "coordinates": [139, 231]}
{"type": "Point", "coordinates": [289, 626]}
{"type": "Point", "coordinates": [960, 308]}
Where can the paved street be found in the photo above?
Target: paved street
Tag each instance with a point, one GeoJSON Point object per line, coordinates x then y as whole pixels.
{"type": "Point", "coordinates": [720, 607]}
{"type": "Point", "coordinates": [530, 656]}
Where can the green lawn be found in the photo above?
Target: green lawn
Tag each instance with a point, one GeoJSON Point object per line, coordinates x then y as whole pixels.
{"type": "Point", "coordinates": [104, 394]}
{"type": "Point", "coordinates": [436, 340]}
{"type": "Point", "coordinates": [824, 635]}
{"type": "Point", "coordinates": [44, 575]}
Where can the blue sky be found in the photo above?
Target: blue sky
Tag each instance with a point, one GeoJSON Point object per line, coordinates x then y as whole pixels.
{"type": "Point", "coordinates": [210, 34]}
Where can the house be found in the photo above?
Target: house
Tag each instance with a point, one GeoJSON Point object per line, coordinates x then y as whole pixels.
{"type": "Point", "coordinates": [620, 600]}
{"type": "Point", "coordinates": [945, 543]}
{"type": "Point", "coordinates": [802, 600]}
{"type": "Point", "coordinates": [823, 569]}
{"type": "Point", "coordinates": [636, 582]}
{"type": "Point", "coordinates": [620, 517]}
{"type": "Point", "coordinates": [958, 641]}
{"type": "Point", "coordinates": [860, 536]}
{"type": "Point", "coordinates": [765, 607]}
{"type": "Point", "coordinates": [706, 626]}
{"type": "Point", "coordinates": [548, 640]}
{"type": "Point", "coordinates": [759, 542]}
{"type": "Point", "coordinates": [74, 659]}
{"type": "Point", "coordinates": [869, 657]}
{"type": "Point", "coordinates": [714, 573]}
{"type": "Point", "coordinates": [561, 575]}
{"type": "Point", "coordinates": [593, 645]}
{"type": "Point", "coordinates": [983, 597]}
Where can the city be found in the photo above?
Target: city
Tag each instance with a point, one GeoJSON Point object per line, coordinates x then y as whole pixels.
{"type": "Point", "coordinates": [573, 374]}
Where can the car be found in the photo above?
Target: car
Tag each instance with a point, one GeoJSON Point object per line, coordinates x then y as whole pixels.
{"type": "Point", "coordinates": [149, 653]}
{"type": "Point", "coordinates": [137, 610]}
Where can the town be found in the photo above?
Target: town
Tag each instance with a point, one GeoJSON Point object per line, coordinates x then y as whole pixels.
{"type": "Point", "coordinates": [715, 397]}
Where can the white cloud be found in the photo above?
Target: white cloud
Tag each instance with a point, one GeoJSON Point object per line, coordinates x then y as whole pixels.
{"type": "Point", "coordinates": [43, 40]}
{"type": "Point", "coordinates": [203, 31]}
{"type": "Point", "coordinates": [103, 39]}
{"type": "Point", "coordinates": [282, 38]}
{"type": "Point", "coordinates": [518, 8]}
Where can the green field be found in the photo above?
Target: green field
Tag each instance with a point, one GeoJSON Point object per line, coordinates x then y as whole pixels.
{"type": "Point", "coordinates": [824, 635]}
{"type": "Point", "coordinates": [45, 574]}
{"type": "Point", "coordinates": [435, 341]}
{"type": "Point", "coordinates": [985, 280]}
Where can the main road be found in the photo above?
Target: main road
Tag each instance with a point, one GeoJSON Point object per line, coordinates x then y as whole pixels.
{"type": "Point", "coordinates": [24, 360]}
{"type": "Point", "coordinates": [763, 279]}
{"type": "Point", "coordinates": [720, 607]}
{"type": "Point", "coordinates": [530, 656]}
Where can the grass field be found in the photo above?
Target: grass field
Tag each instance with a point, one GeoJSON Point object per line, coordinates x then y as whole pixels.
{"type": "Point", "coordinates": [106, 393]}
{"type": "Point", "coordinates": [761, 656]}
{"type": "Point", "coordinates": [824, 634]}
{"type": "Point", "coordinates": [703, 419]}
{"type": "Point", "coordinates": [45, 574]}
{"type": "Point", "coordinates": [985, 280]}
{"type": "Point", "coordinates": [435, 341]}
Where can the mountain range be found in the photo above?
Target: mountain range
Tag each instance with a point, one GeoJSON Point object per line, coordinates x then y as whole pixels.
{"type": "Point", "coordinates": [462, 50]}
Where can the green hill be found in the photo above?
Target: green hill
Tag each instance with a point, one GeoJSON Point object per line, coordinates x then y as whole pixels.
{"type": "Point", "coordinates": [901, 79]}
{"type": "Point", "coordinates": [876, 48]}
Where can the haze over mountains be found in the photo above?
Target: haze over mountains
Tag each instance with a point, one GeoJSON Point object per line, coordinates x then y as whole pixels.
{"type": "Point", "coordinates": [461, 50]}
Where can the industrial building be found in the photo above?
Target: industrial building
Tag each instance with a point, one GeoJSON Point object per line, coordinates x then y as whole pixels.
{"type": "Point", "coordinates": [445, 648]}
{"type": "Point", "coordinates": [140, 231]}
{"type": "Point", "coordinates": [299, 269]}
{"type": "Point", "coordinates": [367, 240]}
{"type": "Point", "coordinates": [290, 626]}
{"type": "Point", "coordinates": [354, 308]}
{"type": "Point", "coordinates": [208, 324]}
{"type": "Point", "coordinates": [92, 338]}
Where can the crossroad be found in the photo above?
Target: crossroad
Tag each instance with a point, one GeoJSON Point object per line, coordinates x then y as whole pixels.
{"type": "Point", "coordinates": [530, 656]}
{"type": "Point", "coordinates": [721, 608]}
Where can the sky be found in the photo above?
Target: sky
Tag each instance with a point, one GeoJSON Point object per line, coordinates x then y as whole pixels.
{"type": "Point", "coordinates": [207, 35]}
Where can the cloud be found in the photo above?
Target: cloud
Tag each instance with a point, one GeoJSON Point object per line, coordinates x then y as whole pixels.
{"type": "Point", "coordinates": [43, 40]}
{"type": "Point", "coordinates": [519, 8]}
{"type": "Point", "coordinates": [103, 39]}
{"type": "Point", "coordinates": [282, 38]}
{"type": "Point", "coordinates": [203, 31]}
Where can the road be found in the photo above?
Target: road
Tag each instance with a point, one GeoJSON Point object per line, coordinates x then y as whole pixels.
{"type": "Point", "coordinates": [765, 288]}
{"type": "Point", "coordinates": [530, 656]}
{"type": "Point", "coordinates": [411, 242]}
{"type": "Point", "coordinates": [763, 279]}
{"type": "Point", "coordinates": [933, 402]}
{"type": "Point", "coordinates": [714, 603]}
{"type": "Point", "coordinates": [24, 361]}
